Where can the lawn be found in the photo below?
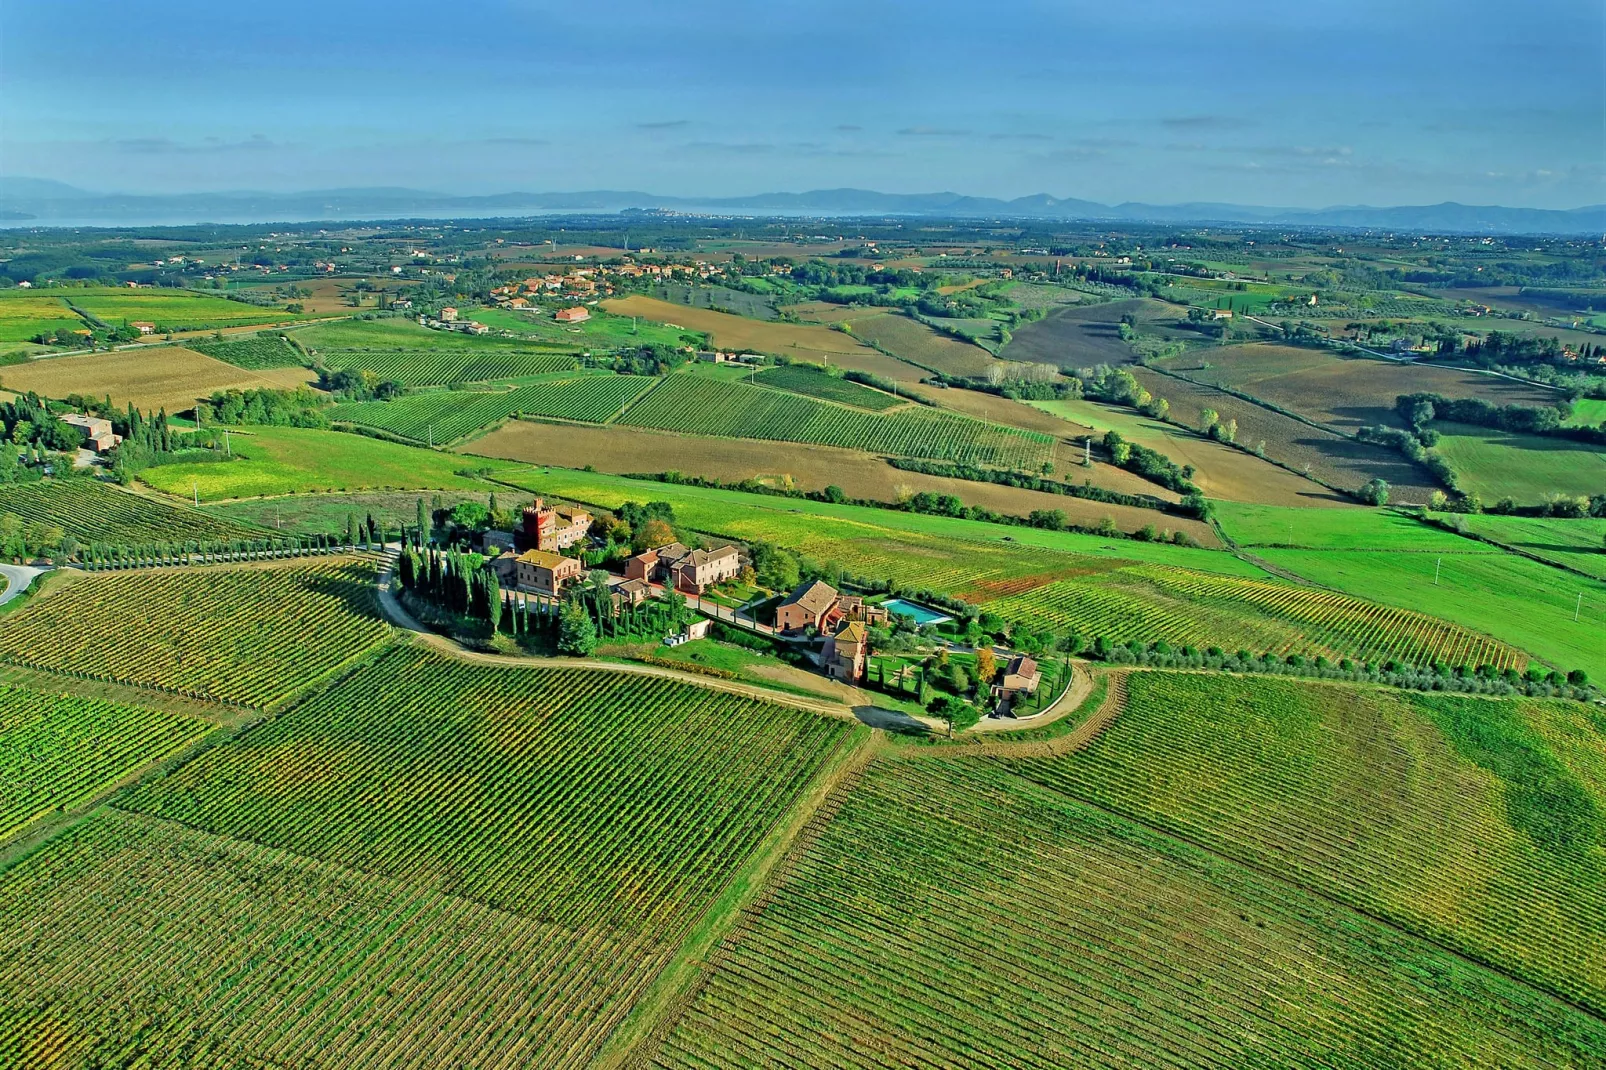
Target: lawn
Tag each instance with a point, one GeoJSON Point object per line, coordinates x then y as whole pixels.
{"type": "Point", "coordinates": [287, 460]}
{"type": "Point", "coordinates": [1588, 412]}
{"type": "Point", "coordinates": [1521, 602]}
{"type": "Point", "coordinates": [1501, 464]}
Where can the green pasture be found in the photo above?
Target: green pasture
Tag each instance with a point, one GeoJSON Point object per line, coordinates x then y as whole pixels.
{"type": "Point", "coordinates": [174, 310]}
{"type": "Point", "coordinates": [1577, 543]}
{"type": "Point", "coordinates": [26, 313]}
{"type": "Point", "coordinates": [1521, 602]}
{"type": "Point", "coordinates": [1503, 464]}
{"type": "Point", "coordinates": [293, 460]}
{"type": "Point", "coordinates": [1253, 525]}
{"type": "Point", "coordinates": [1588, 412]}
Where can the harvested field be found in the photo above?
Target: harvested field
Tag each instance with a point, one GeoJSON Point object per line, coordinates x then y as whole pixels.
{"type": "Point", "coordinates": [911, 340]}
{"type": "Point", "coordinates": [1221, 471]}
{"type": "Point", "coordinates": [1345, 393]}
{"type": "Point", "coordinates": [1329, 457]}
{"type": "Point", "coordinates": [1080, 336]}
{"type": "Point", "coordinates": [151, 377]}
{"type": "Point", "coordinates": [625, 450]}
{"type": "Point", "coordinates": [798, 341]}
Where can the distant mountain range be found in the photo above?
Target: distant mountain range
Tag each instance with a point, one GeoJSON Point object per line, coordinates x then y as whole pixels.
{"type": "Point", "coordinates": [44, 202]}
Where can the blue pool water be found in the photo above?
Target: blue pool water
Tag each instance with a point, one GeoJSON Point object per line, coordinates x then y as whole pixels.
{"type": "Point", "coordinates": [921, 614]}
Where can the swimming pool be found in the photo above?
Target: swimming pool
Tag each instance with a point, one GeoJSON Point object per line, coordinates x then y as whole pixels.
{"type": "Point", "coordinates": [922, 615]}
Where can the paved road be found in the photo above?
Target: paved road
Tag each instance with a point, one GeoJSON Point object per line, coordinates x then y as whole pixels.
{"type": "Point", "coordinates": [18, 577]}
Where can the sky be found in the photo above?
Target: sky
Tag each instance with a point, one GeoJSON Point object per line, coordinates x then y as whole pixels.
{"type": "Point", "coordinates": [1298, 103]}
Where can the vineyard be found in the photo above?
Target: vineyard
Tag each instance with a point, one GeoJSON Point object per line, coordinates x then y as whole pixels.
{"type": "Point", "coordinates": [1153, 602]}
{"type": "Point", "coordinates": [439, 367]}
{"type": "Point", "coordinates": [254, 351]}
{"type": "Point", "coordinates": [1473, 822]}
{"type": "Point", "coordinates": [253, 636]}
{"type": "Point", "coordinates": [708, 407]}
{"type": "Point", "coordinates": [57, 749]}
{"type": "Point", "coordinates": [947, 914]}
{"type": "Point", "coordinates": [433, 863]}
{"type": "Point", "coordinates": [447, 415]}
{"type": "Point", "coordinates": [811, 381]}
{"type": "Point", "coordinates": [91, 512]}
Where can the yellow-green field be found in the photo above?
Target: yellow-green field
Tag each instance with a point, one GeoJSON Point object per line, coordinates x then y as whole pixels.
{"type": "Point", "coordinates": [149, 377]}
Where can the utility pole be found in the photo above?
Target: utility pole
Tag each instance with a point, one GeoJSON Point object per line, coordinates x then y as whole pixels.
{"type": "Point", "coordinates": [1436, 563]}
{"type": "Point", "coordinates": [1087, 453]}
{"type": "Point", "coordinates": [431, 436]}
{"type": "Point", "coordinates": [195, 488]}
{"type": "Point", "coordinates": [1579, 605]}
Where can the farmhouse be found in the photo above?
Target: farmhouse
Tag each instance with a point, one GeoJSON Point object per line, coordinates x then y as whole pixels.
{"type": "Point", "coordinates": [854, 607]}
{"type": "Point", "coordinates": [629, 593]}
{"type": "Point", "coordinates": [449, 314]}
{"type": "Point", "coordinates": [845, 653]}
{"type": "Point", "coordinates": [1021, 676]}
{"type": "Point", "coordinates": [551, 529]}
{"type": "Point", "coordinates": [545, 573]}
{"type": "Point", "coordinates": [806, 607]}
{"type": "Point", "coordinates": [577, 314]}
{"type": "Point", "coordinates": [143, 326]}
{"type": "Point", "coordinates": [97, 433]}
{"type": "Point", "coordinates": [688, 570]}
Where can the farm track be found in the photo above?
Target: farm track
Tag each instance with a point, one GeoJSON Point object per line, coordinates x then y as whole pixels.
{"type": "Point", "coordinates": [1079, 738]}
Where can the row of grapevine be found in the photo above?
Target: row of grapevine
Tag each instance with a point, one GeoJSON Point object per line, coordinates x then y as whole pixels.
{"type": "Point", "coordinates": [943, 913]}
{"type": "Point", "coordinates": [252, 636]}
{"type": "Point", "coordinates": [438, 367]}
{"type": "Point", "coordinates": [700, 406]}
{"type": "Point", "coordinates": [1153, 602]}
{"type": "Point", "coordinates": [57, 749]}
{"type": "Point", "coordinates": [264, 349]}
{"type": "Point", "coordinates": [431, 863]}
{"type": "Point", "coordinates": [447, 415]}
{"type": "Point", "coordinates": [805, 379]}
{"type": "Point", "coordinates": [1420, 809]}
{"type": "Point", "coordinates": [90, 511]}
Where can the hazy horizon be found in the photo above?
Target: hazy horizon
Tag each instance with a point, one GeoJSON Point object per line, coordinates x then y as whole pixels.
{"type": "Point", "coordinates": [1362, 103]}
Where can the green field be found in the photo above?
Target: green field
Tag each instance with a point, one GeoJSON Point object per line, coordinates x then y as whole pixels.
{"type": "Point", "coordinates": [602, 329]}
{"type": "Point", "coordinates": [57, 749]}
{"type": "Point", "coordinates": [289, 460]}
{"type": "Point", "coordinates": [25, 313]}
{"type": "Point", "coordinates": [432, 863]}
{"type": "Point", "coordinates": [1578, 543]}
{"type": "Point", "coordinates": [700, 406]}
{"type": "Point", "coordinates": [261, 350]}
{"type": "Point", "coordinates": [414, 367]}
{"type": "Point", "coordinates": [253, 636]}
{"type": "Point", "coordinates": [809, 380]}
{"type": "Point", "coordinates": [1475, 823]}
{"type": "Point", "coordinates": [173, 310]}
{"type": "Point", "coordinates": [1504, 464]}
{"type": "Point", "coordinates": [445, 416]}
{"type": "Point", "coordinates": [1333, 529]}
{"type": "Point", "coordinates": [1588, 412]}
{"type": "Point", "coordinates": [92, 512]}
{"type": "Point", "coordinates": [1521, 602]}
{"type": "Point", "coordinates": [947, 914]}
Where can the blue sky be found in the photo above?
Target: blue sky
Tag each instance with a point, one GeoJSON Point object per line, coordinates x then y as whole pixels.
{"type": "Point", "coordinates": [1283, 103]}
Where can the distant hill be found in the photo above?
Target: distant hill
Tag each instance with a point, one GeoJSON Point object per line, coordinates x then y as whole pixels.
{"type": "Point", "coordinates": [46, 201]}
